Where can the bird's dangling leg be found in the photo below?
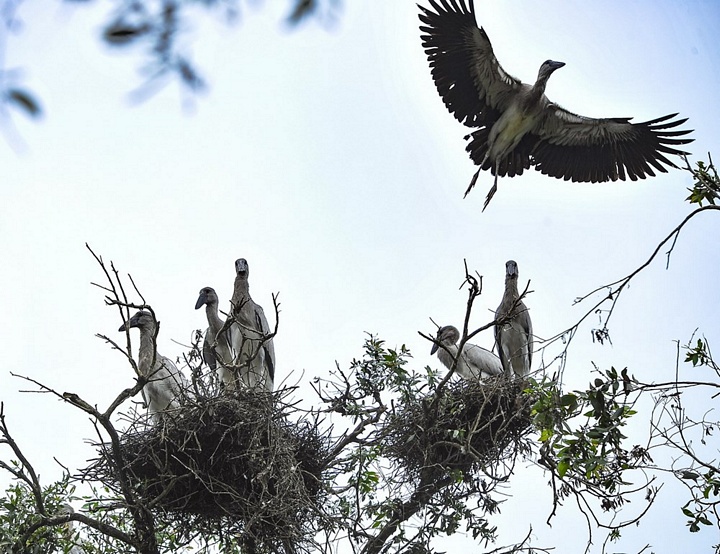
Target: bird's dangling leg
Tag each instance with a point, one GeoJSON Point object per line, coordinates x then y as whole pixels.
{"type": "Point", "coordinates": [492, 192]}
{"type": "Point", "coordinates": [472, 182]}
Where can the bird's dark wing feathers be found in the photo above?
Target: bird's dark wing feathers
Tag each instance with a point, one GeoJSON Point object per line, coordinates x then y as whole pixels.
{"type": "Point", "coordinates": [471, 82]}
{"type": "Point", "coordinates": [578, 148]}
{"type": "Point", "coordinates": [512, 164]}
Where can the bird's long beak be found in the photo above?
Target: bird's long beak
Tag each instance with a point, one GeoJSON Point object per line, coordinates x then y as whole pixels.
{"type": "Point", "coordinates": [200, 302]}
{"type": "Point", "coordinates": [434, 349]}
{"type": "Point", "coordinates": [557, 65]}
{"type": "Point", "coordinates": [122, 327]}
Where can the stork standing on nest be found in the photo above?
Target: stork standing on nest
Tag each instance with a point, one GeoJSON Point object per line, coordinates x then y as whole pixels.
{"type": "Point", "coordinates": [474, 363]}
{"type": "Point", "coordinates": [255, 352]}
{"type": "Point", "coordinates": [513, 337]}
{"type": "Point", "coordinates": [517, 126]}
{"type": "Point", "coordinates": [166, 384]}
{"type": "Point", "coordinates": [217, 350]}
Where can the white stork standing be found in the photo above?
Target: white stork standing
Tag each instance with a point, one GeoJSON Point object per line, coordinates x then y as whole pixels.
{"type": "Point", "coordinates": [166, 384]}
{"type": "Point", "coordinates": [255, 352]}
{"type": "Point", "coordinates": [217, 351]}
{"type": "Point", "coordinates": [475, 362]}
{"type": "Point", "coordinates": [514, 337]}
{"type": "Point", "coordinates": [517, 126]}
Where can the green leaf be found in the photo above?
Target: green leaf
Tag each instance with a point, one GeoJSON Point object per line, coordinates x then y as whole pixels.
{"type": "Point", "coordinates": [568, 400]}
{"type": "Point", "coordinates": [562, 468]}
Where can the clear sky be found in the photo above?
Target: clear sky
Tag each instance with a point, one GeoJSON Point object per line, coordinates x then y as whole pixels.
{"type": "Point", "coordinates": [326, 158]}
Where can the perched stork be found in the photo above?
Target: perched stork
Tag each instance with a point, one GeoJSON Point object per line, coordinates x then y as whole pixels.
{"type": "Point", "coordinates": [255, 352]}
{"type": "Point", "coordinates": [68, 530]}
{"type": "Point", "coordinates": [166, 384]}
{"type": "Point", "coordinates": [513, 338]}
{"type": "Point", "coordinates": [517, 126]}
{"type": "Point", "coordinates": [474, 363]}
{"type": "Point", "coordinates": [217, 351]}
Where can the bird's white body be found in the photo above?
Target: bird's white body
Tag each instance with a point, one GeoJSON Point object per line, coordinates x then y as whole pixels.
{"type": "Point", "coordinates": [514, 335]}
{"type": "Point", "coordinates": [254, 349]}
{"type": "Point", "coordinates": [166, 384]}
{"type": "Point", "coordinates": [474, 363]}
{"type": "Point", "coordinates": [513, 343]}
{"type": "Point", "coordinates": [516, 121]}
{"type": "Point", "coordinates": [217, 352]}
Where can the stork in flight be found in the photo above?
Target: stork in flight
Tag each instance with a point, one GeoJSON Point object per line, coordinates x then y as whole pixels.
{"type": "Point", "coordinates": [517, 126]}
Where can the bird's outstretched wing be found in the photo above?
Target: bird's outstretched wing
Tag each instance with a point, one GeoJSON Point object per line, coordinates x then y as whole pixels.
{"type": "Point", "coordinates": [585, 149]}
{"type": "Point", "coordinates": [470, 80]}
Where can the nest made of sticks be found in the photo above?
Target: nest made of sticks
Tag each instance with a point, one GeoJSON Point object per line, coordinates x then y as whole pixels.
{"type": "Point", "coordinates": [234, 463]}
{"type": "Point", "coordinates": [473, 424]}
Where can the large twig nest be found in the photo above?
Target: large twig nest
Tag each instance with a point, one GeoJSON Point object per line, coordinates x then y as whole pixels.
{"type": "Point", "coordinates": [234, 462]}
{"type": "Point", "coordinates": [472, 425]}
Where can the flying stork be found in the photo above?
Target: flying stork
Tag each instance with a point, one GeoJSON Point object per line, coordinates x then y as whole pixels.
{"type": "Point", "coordinates": [517, 126]}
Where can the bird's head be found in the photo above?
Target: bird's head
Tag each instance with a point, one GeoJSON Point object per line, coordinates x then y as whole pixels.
{"type": "Point", "coordinates": [241, 267]}
{"type": "Point", "coordinates": [140, 319]}
{"type": "Point", "coordinates": [445, 335]}
{"type": "Point", "coordinates": [207, 296]}
{"type": "Point", "coordinates": [547, 68]}
{"type": "Point", "coordinates": [511, 270]}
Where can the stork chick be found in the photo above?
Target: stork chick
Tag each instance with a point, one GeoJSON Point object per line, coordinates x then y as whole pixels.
{"type": "Point", "coordinates": [166, 384]}
{"type": "Point", "coordinates": [475, 362]}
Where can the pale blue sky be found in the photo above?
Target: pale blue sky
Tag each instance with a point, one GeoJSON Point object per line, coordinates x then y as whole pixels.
{"type": "Point", "coordinates": [328, 160]}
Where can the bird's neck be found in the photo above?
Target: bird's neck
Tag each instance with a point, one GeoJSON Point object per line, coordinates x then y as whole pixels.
{"type": "Point", "coordinates": [241, 292]}
{"type": "Point", "coordinates": [211, 310]}
{"type": "Point", "coordinates": [512, 288]}
{"type": "Point", "coordinates": [532, 99]}
{"type": "Point", "coordinates": [447, 356]}
{"type": "Point", "coordinates": [147, 350]}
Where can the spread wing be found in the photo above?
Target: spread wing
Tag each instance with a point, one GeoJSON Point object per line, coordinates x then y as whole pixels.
{"type": "Point", "coordinates": [470, 80]}
{"type": "Point", "coordinates": [578, 148]}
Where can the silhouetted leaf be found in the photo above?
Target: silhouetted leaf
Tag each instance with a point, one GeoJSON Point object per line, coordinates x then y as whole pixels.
{"type": "Point", "coordinates": [24, 100]}
{"type": "Point", "coordinates": [120, 34]}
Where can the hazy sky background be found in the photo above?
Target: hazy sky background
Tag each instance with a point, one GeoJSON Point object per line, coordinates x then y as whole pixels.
{"type": "Point", "coordinates": [326, 158]}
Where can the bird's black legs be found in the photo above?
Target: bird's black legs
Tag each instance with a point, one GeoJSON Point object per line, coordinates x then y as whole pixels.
{"type": "Point", "coordinates": [473, 181]}
{"type": "Point", "coordinates": [492, 192]}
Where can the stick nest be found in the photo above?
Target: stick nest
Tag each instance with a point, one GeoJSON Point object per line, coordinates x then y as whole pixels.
{"type": "Point", "coordinates": [474, 424]}
{"type": "Point", "coordinates": [234, 462]}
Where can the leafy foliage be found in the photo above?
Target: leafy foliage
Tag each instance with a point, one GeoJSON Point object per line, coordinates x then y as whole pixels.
{"type": "Point", "coordinates": [706, 187]}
